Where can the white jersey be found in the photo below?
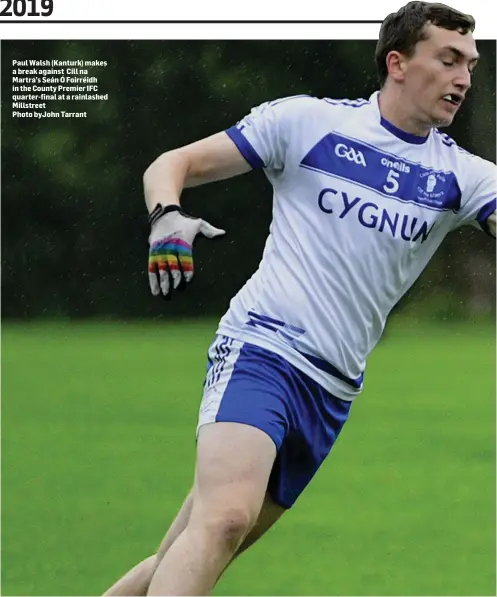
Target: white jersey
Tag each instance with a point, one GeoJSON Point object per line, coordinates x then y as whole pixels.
{"type": "Point", "coordinates": [359, 209]}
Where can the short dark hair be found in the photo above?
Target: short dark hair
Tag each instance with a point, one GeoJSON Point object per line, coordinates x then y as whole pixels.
{"type": "Point", "coordinates": [402, 30]}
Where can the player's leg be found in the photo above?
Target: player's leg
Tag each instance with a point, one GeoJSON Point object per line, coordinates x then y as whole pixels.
{"type": "Point", "coordinates": [234, 462]}
{"type": "Point", "coordinates": [256, 396]}
{"type": "Point", "coordinates": [269, 514]}
{"type": "Point", "coordinates": [177, 527]}
{"type": "Point", "coordinates": [137, 580]}
{"type": "Point", "coordinates": [234, 471]}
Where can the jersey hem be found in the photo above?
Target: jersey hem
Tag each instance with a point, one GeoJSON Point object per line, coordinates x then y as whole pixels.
{"type": "Point", "coordinates": [332, 385]}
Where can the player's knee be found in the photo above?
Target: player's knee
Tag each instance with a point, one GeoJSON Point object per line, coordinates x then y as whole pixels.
{"type": "Point", "coordinates": [231, 527]}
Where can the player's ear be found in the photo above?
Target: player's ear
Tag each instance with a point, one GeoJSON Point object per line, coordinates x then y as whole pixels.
{"type": "Point", "coordinates": [396, 65]}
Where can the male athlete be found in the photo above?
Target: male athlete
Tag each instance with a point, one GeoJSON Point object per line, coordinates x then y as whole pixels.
{"type": "Point", "coordinates": [364, 193]}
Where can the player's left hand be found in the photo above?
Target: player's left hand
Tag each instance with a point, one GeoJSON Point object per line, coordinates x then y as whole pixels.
{"type": "Point", "coordinates": [170, 263]}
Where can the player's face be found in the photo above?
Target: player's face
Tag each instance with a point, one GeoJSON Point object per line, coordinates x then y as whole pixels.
{"type": "Point", "coordinates": [438, 75]}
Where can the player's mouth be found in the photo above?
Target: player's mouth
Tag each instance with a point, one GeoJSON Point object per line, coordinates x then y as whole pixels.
{"type": "Point", "coordinates": [454, 99]}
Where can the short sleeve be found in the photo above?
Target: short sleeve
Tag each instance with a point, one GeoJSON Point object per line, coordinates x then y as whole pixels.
{"type": "Point", "coordinates": [479, 198]}
{"type": "Point", "coordinates": [263, 135]}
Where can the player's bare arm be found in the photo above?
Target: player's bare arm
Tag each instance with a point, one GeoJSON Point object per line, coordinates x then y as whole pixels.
{"type": "Point", "coordinates": [172, 233]}
{"type": "Point", "coordinates": [210, 159]}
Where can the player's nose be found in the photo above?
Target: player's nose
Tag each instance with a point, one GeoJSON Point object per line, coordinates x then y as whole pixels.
{"type": "Point", "coordinates": [462, 81]}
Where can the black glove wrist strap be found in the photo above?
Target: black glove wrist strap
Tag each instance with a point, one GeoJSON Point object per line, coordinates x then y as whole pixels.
{"type": "Point", "coordinates": [161, 210]}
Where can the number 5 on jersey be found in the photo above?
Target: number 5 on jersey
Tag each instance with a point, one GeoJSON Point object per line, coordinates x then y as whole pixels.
{"type": "Point", "coordinates": [392, 185]}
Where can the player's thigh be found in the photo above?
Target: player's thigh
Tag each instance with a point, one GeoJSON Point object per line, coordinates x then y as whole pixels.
{"type": "Point", "coordinates": [234, 462]}
{"type": "Point", "coordinates": [242, 423]}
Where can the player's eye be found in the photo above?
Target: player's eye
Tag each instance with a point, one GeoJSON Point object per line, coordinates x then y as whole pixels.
{"type": "Point", "coordinates": [448, 62]}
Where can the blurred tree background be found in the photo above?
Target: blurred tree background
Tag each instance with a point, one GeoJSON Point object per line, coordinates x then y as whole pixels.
{"type": "Point", "coordinates": [74, 223]}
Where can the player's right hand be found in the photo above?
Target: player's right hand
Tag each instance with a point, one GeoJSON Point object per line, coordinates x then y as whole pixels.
{"type": "Point", "coordinates": [170, 263]}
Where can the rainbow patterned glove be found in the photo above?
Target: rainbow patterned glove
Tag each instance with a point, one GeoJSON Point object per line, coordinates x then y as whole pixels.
{"type": "Point", "coordinates": [170, 263]}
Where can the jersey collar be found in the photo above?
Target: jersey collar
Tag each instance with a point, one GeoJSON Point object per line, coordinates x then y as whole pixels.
{"type": "Point", "coordinates": [399, 133]}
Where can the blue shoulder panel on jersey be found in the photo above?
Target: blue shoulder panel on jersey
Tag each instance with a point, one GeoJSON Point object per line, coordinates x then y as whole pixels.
{"type": "Point", "coordinates": [391, 176]}
{"type": "Point", "coordinates": [246, 149]}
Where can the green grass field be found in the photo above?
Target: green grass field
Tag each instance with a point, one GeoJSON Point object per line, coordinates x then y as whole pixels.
{"type": "Point", "coordinates": [98, 424]}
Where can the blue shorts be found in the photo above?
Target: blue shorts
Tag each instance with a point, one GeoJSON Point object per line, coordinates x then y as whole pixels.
{"type": "Point", "coordinates": [251, 385]}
